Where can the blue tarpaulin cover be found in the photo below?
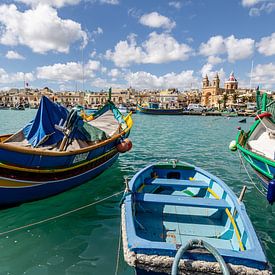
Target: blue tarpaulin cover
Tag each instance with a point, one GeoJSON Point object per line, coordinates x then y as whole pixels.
{"type": "Point", "coordinates": [42, 129]}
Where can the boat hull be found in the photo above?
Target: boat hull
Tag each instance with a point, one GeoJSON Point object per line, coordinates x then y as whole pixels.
{"type": "Point", "coordinates": [16, 191]}
{"type": "Point", "coordinates": [264, 167]}
{"type": "Point", "coordinates": [151, 111]}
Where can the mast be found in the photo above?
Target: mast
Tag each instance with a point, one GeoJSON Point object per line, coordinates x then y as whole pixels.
{"type": "Point", "coordinates": [251, 75]}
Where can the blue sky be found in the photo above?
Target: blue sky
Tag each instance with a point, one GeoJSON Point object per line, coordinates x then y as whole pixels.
{"type": "Point", "coordinates": [146, 44]}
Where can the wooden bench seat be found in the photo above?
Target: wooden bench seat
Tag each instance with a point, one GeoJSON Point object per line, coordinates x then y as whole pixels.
{"type": "Point", "coordinates": [182, 200]}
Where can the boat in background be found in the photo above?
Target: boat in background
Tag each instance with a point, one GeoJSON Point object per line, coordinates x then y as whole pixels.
{"type": "Point", "coordinates": [257, 146]}
{"type": "Point", "coordinates": [18, 107]}
{"type": "Point", "coordinates": [154, 109]}
{"type": "Point", "coordinates": [123, 109]}
{"type": "Point", "coordinates": [171, 207]}
{"type": "Point", "coordinates": [58, 150]}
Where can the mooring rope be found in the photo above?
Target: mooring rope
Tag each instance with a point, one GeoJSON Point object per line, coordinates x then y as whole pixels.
{"type": "Point", "coordinates": [118, 249]}
{"type": "Point", "coordinates": [242, 162]}
{"type": "Point", "coordinates": [60, 215]}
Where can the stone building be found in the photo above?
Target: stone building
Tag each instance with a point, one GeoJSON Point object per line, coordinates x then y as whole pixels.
{"type": "Point", "coordinates": [215, 96]}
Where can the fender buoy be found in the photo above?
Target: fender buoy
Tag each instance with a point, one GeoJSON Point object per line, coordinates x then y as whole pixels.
{"type": "Point", "coordinates": [233, 145]}
{"type": "Point", "coordinates": [124, 146]}
{"type": "Point", "coordinates": [265, 114]}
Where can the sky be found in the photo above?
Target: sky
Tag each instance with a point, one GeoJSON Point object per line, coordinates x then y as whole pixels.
{"type": "Point", "coordinates": [92, 45]}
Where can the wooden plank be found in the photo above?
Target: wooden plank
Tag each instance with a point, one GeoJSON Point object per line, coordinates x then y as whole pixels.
{"type": "Point", "coordinates": [182, 200]}
{"type": "Point", "coordinates": [176, 182]}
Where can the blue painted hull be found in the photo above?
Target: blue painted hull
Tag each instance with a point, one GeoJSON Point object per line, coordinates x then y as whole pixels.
{"type": "Point", "coordinates": [38, 190]}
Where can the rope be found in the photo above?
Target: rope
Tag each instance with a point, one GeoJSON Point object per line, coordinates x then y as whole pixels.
{"type": "Point", "coordinates": [60, 215]}
{"type": "Point", "coordinates": [242, 162]}
{"type": "Point", "coordinates": [200, 244]}
{"type": "Point", "coordinates": [118, 249]}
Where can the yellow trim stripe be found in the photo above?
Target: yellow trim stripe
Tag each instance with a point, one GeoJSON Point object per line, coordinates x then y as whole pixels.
{"type": "Point", "coordinates": [230, 218]}
{"type": "Point", "coordinates": [141, 188]}
{"type": "Point", "coordinates": [54, 170]}
{"type": "Point", "coordinates": [5, 182]}
{"type": "Point", "coordinates": [13, 183]}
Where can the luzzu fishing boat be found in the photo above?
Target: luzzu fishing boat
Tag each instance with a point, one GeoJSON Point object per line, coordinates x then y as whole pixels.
{"type": "Point", "coordinates": [154, 109]}
{"type": "Point", "coordinates": [58, 150]}
{"type": "Point", "coordinates": [171, 207]}
{"type": "Point", "coordinates": [257, 146]}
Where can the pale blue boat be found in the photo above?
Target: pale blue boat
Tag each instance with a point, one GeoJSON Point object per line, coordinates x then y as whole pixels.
{"type": "Point", "coordinates": [170, 205]}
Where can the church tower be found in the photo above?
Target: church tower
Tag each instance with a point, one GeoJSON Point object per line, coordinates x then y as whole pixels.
{"type": "Point", "coordinates": [216, 81]}
{"type": "Point", "coordinates": [205, 82]}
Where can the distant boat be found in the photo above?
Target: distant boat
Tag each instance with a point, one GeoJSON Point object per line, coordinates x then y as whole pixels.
{"type": "Point", "coordinates": [242, 120]}
{"type": "Point", "coordinates": [257, 146]}
{"type": "Point", "coordinates": [4, 107]}
{"type": "Point", "coordinates": [123, 109]}
{"type": "Point", "coordinates": [154, 109]}
{"type": "Point", "coordinates": [229, 114]}
{"type": "Point", "coordinates": [19, 107]}
{"type": "Point", "coordinates": [171, 207]}
{"type": "Point", "coordinates": [58, 150]}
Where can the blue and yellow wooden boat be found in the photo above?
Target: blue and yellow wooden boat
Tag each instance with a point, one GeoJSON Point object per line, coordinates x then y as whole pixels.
{"type": "Point", "coordinates": [172, 205]}
{"type": "Point", "coordinates": [59, 150]}
{"type": "Point", "coordinates": [154, 109]}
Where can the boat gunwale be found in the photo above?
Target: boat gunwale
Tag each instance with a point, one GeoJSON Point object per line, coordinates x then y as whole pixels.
{"type": "Point", "coordinates": [255, 253]}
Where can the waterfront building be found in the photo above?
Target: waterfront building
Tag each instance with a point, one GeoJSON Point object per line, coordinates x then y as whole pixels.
{"type": "Point", "coordinates": [229, 96]}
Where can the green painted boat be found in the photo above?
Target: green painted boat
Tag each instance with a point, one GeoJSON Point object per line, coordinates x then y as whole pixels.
{"type": "Point", "coordinates": [257, 146]}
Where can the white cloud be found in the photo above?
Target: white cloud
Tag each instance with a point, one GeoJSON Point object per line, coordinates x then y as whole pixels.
{"type": "Point", "coordinates": [264, 75]}
{"type": "Point", "coordinates": [71, 71]}
{"type": "Point", "coordinates": [126, 52]}
{"type": "Point", "coordinates": [111, 2]}
{"type": "Point", "coordinates": [93, 54]}
{"type": "Point", "coordinates": [236, 49]}
{"type": "Point", "coordinates": [212, 59]}
{"type": "Point", "coordinates": [114, 73]}
{"type": "Point", "coordinates": [145, 80]}
{"type": "Point", "coordinates": [159, 48]}
{"type": "Point", "coordinates": [249, 3]}
{"type": "Point", "coordinates": [162, 48]}
{"type": "Point", "coordinates": [14, 55]}
{"type": "Point", "coordinates": [40, 29]}
{"type": "Point", "coordinates": [207, 69]}
{"type": "Point", "coordinates": [256, 7]}
{"type": "Point", "coordinates": [156, 20]}
{"type": "Point", "coordinates": [92, 65]}
{"type": "Point", "coordinates": [214, 46]}
{"type": "Point", "coordinates": [14, 77]}
{"type": "Point", "coordinates": [53, 3]}
{"type": "Point", "coordinates": [266, 46]}
{"type": "Point", "coordinates": [175, 4]}
{"type": "Point", "coordinates": [97, 31]}
{"type": "Point", "coordinates": [104, 84]}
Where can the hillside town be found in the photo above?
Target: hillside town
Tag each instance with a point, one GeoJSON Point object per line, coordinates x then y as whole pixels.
{"type": "Point", "coordinates": [211, 96]}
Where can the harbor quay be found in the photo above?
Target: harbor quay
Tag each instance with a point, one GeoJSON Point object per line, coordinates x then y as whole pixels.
{"type": "Point", "coordinates": [212, 97]}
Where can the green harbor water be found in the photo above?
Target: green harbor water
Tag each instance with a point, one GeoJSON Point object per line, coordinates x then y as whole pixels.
{"type": "Point", "coordinates": [86, 242]}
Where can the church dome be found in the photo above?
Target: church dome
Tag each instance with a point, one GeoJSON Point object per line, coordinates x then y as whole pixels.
{"type": "Point", "coordinates": [232, 78]}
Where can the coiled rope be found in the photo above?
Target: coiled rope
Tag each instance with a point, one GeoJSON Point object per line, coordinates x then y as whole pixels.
{"type": "Point", "coordinates": [60, 215]}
